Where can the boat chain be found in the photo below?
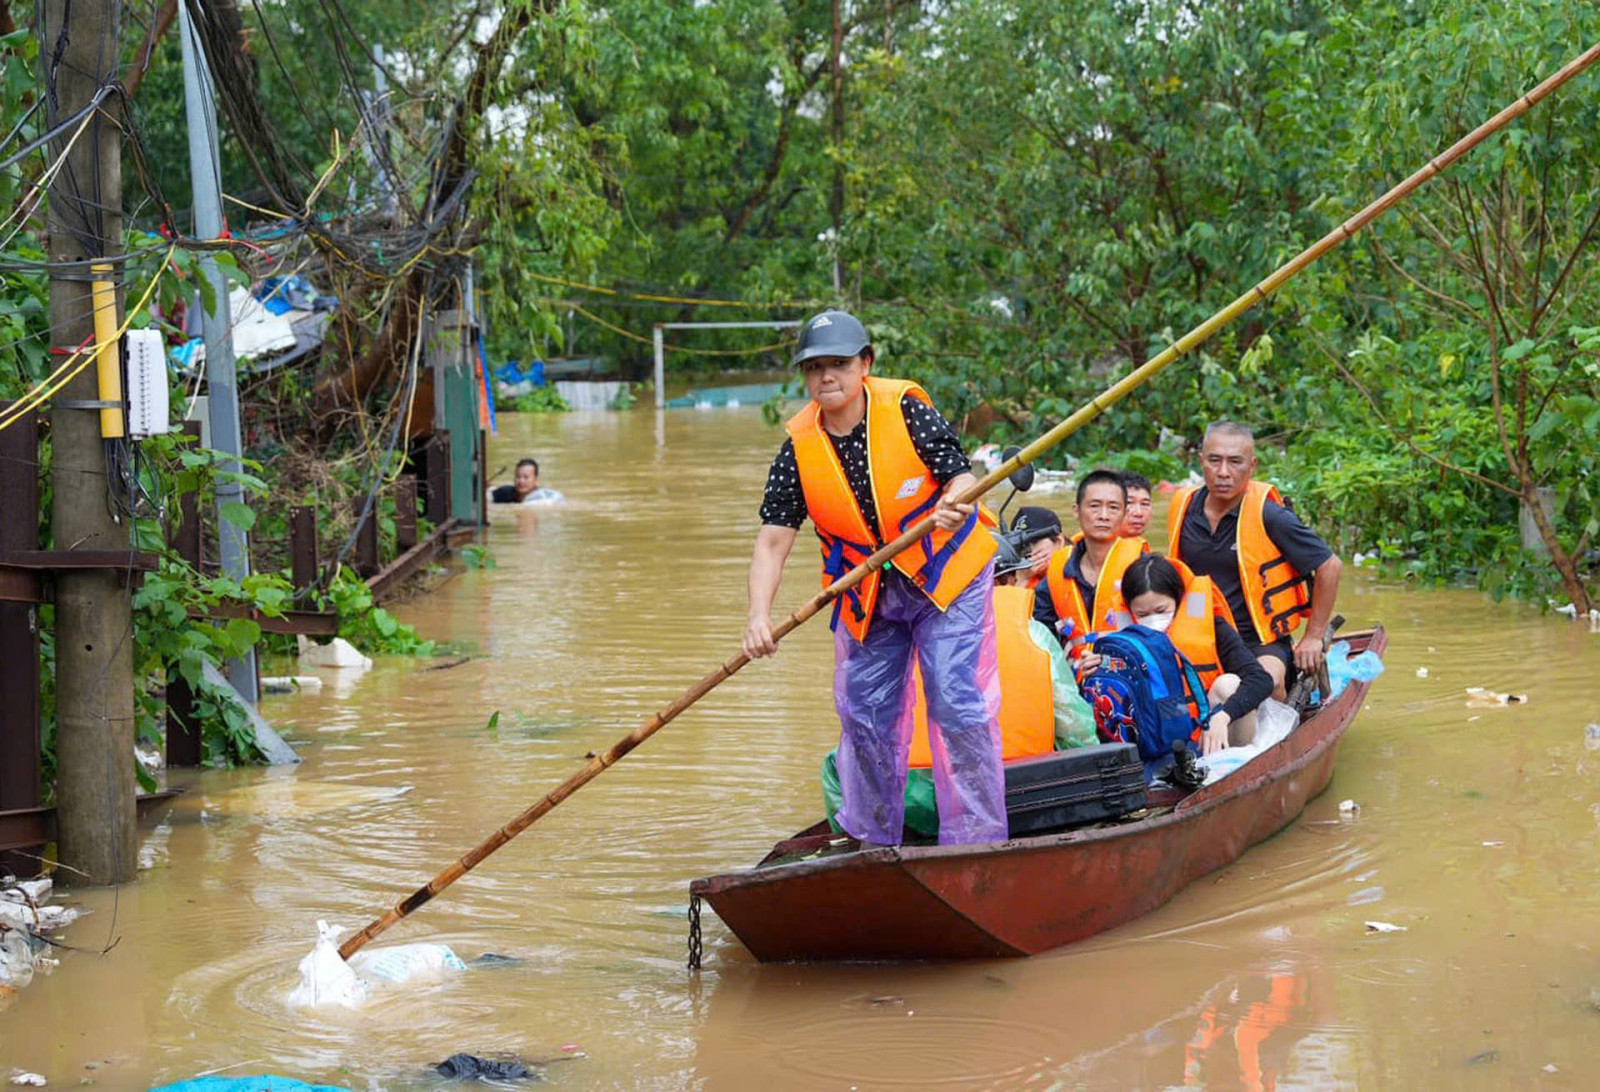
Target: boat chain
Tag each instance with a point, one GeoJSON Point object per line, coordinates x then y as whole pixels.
{"type": "Point", "coordinates": [694, 932]}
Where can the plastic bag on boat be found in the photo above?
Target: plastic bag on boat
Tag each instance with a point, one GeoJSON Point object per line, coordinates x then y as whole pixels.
{"type": "Point", "coordinates": [1343, 667]}
{"type": "Point", "coordinates": [922, 810]}
{"type": "Point", "coordinates": [404, 962]}
{"type": "Point", "coordinates": [326, 979]}
{"type": "Point", "coordinates": [1274, 722]}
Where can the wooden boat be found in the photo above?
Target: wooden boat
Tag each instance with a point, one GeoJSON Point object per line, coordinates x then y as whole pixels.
{"type": "Point", "coordinates": [817, 897]}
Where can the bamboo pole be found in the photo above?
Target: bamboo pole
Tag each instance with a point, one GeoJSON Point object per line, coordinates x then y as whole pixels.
{"type": "Point", "coordinates": [1119, 390]}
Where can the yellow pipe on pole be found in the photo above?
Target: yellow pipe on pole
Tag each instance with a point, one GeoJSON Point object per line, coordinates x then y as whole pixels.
{"type": "Point", "coordinates": [108, 361]}
{"type": "Point", "coordinates": [1096, 406]}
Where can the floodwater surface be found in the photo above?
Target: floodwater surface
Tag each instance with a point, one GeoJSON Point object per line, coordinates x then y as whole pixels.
{"type": "Point", "coordinates": [1476, 833]}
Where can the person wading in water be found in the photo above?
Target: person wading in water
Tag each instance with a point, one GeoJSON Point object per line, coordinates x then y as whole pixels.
{"type": "Point", "coordinates": [866, 459]}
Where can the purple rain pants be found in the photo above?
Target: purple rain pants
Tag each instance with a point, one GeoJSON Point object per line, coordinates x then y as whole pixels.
{"type": "Point", "coordinates": [961, 683]}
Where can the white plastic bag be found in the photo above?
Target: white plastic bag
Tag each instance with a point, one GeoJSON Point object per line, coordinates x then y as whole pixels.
{"type": "Point", "coordinates": [1274, 722]}
{"type": "Point", "coordinates": [325, 979]}
{"type": "Point", "coordinates": [404, 962]}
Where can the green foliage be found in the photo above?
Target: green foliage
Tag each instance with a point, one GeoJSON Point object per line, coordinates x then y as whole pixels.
{"type": "Point", "coordinates": [367, 626]}
{"type": "Point", "coordinates": [475, 556]}
{"type": "Point", "coordinates": [626, 398]}
{"type": "Point", "coordinates": [173, 633]}
{"type": "Point", "coordinates": [545, 399]}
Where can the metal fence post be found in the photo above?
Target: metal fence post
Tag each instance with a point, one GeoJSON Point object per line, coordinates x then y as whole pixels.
{"type": "Point", "coordinates": [19, 632]}
{"type": "Point", "coordinates": [366, 551]}
{"type": "Point", "coordinates": [405, 512]}
{"type": "Point", "coordinates": [184, 745]}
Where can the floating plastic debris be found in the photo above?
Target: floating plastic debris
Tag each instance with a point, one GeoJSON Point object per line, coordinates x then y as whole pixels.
{"type": "Point", "coordinates": [1384, 927]}
{"type": "Point", "coordinates": [1480, 697]}
{"type": "Point", "coordinates": [288, 684]}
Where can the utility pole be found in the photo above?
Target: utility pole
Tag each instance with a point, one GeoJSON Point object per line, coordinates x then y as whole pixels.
{"type": "Point", "coordinates": [221, 381]}
{"type": "Point", "coordinates": [95, 785]}
{"type": "Point", "coordinates": [379, 119]}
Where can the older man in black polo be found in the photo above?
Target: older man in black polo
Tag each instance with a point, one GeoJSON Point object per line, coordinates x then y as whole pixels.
{"type": "Point", "coordinates": [1272, 568]}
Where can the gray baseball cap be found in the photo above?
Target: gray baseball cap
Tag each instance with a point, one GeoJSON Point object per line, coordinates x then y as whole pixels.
{"type": "Point", "coordinates": [832, 333]}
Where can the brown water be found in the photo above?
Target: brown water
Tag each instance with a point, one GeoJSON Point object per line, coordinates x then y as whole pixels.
{"type": "Point", "coordinates": [1477, 832]}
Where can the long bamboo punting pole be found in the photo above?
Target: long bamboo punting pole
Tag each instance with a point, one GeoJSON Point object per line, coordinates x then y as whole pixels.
{"type": "Point", "coordinates": [1096, 406]}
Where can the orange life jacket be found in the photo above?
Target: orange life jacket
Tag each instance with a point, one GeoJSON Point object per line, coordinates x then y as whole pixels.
{"type": "Point", "coordinates": [1027, 705]}
{"type": "Point", "coordinates": [904, 491]}
{"type": "Point", "coordinates": [1194, 629]}
{"type": "Point", "coordinates": [1273, 591]}
{"type": "Point", "coordinates": [1109, 611]}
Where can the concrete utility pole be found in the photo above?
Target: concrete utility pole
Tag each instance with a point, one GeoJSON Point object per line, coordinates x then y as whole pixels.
{"type": "Point", "coordinates": [95, 785]}
{"type": "Point", "coordinates": [221, 381]}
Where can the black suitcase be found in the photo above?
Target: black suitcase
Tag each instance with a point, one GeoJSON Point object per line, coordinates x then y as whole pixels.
{"type": "Point", "coordinates": [1081, 785]}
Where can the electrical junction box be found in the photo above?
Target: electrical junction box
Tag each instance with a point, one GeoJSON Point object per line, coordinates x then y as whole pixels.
{"type": "Point", "coordinates": [148, 411]}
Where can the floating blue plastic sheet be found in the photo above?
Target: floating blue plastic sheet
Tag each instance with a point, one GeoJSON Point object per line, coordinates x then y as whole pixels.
{"type": "Point", "coordinates": [266, 1082]}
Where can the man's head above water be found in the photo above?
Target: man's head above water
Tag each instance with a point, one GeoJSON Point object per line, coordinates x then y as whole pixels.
{"type": "Point", "coordinates": [527, 477]}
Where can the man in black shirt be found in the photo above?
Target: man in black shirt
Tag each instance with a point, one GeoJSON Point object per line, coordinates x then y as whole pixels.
{"type": "Point", "coordinates": [1208, 540]}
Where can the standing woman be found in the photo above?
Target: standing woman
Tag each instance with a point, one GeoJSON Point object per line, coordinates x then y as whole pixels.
{"type": "Point", "coordinates": [1189, 610]}
{"type": "Point", "coordinates": [866, 459]}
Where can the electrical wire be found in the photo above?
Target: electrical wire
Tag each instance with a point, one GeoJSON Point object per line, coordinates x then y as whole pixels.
{"type": "Point", "coordinates": [47, 388]}
{"type": "Point", "coordinates": [630, 335]}
{"type": "Point", "coordinates": [657, 298]}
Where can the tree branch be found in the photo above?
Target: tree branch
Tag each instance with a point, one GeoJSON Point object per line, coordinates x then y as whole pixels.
{"type": "Point", "coordinates": [1403, 437]}
{"type": "Point", "coordinates": [158, 29]}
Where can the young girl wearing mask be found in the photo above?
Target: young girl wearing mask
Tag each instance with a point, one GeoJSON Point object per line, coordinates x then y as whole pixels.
{"type": "Point", "coordinates": [1185, 608]}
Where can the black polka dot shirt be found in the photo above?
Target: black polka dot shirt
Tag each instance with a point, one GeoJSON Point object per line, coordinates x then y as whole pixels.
{"type": "Point", "coordinates": [784, 503]}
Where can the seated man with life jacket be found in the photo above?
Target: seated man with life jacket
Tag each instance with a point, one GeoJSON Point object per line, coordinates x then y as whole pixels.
{"type": "Point", "coordinates": [1038, 534]}
{"type": "Point", "coordinates": [1079, 595]}
{"type": "Point", "coordinates": [1137, 516]}
{"type": "Point", "coordinates": [1040, 707]}
{"type": "Point", "coordinates": [1271, 568]}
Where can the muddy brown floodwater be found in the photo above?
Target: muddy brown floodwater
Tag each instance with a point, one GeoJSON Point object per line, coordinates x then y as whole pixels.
{"type": "Point", "coordinates": [1477, 833]}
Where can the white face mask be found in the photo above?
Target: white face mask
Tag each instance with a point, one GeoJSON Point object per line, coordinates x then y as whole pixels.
{"type": "Point", "coordinates": [1160, 621]}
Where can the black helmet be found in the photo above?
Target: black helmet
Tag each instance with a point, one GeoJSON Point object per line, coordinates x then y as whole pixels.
{"type": "Point", "coordinates": [1007, 558]}
{"type": "Point", "coordinates": [832, 333]}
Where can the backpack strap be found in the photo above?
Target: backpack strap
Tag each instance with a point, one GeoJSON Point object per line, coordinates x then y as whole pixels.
{"type": "Point", "coordinates": [1191, 679]}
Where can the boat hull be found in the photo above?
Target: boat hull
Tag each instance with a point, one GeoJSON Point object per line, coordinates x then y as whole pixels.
{"type": "Point", "coordinates": [1028, 895]}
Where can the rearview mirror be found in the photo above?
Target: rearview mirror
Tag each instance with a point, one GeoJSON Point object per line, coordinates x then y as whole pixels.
{"type": "Point", "coordinates": [1021, 478]}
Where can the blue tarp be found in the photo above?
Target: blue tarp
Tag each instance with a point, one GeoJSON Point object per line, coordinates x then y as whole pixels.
{"type": "Point", "coordinates": [280, 295]}
{"type": "Point", "coordinates": [266, 1082]}
{"type": "Point", "coordinates": [513, 372]}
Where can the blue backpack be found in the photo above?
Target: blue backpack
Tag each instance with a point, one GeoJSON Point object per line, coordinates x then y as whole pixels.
{"type": "Point", "coordinates": [1147, 693]}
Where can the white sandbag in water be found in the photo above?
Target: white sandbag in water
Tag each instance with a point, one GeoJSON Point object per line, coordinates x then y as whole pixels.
{"type": "Point", "coordinates": [325, 979]}
{"type": "Point", "coordinates": [336, 653]}
{"type": "Point", "coordinates": [404, 962]}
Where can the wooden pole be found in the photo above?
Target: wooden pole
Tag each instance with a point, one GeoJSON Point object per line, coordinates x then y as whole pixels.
{"type": "Point", "coordinates": [95, 785]}
{"type": "Point", "coordinates": [1095, 406]}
